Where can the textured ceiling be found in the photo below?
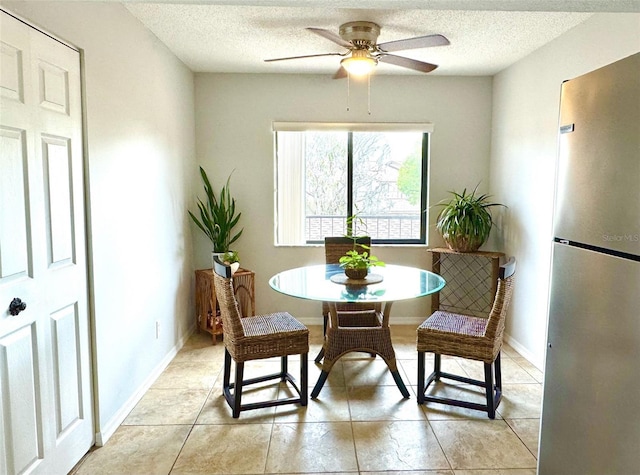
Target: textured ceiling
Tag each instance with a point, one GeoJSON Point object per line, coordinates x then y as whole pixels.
{"type": "Point", "coordinates": [238, 35]}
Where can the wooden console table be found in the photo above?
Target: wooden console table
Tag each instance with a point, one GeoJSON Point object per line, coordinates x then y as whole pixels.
{"type": "Point", "coordinates": [207, 313]}
{"type": "Point", "coordinates": [472, 280]}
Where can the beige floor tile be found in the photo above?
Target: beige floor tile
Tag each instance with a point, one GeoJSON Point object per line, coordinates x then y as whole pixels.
{"type": "Point", "coordinates": [493, 471]}
{"type": "Point", "coordinates": [405, 351]}
{"type": "Point", "coordinates": [512, 372]}
{"type": "Point", "coordinates": [367, 372]}
{"type": "Point", "coordinates": [217, 411]}
{"type": "Point", "coordinates": [464, 392]}
{"type": "Point", "coordinates": [199, 347]}
{"type": "Point", "coordinates": [223, 449]}
{"type": "Point", "coordinates": [448, 365]}
{"type": "Point", "coordinates": [168, 406]}
{"type": "Point", "coordinates": [316, 334]}
{"type": "Point", "coordinates": [482, 444]}
{"type": "Point", "coordinates": [404, 341]}
{"type": "Point", "coordinates": [314, 349]}
{"type": "Point", "coordinates": [530, 368]}
{"type": "Point", "coordinates": [521, 401]}
{"type": "Point", "coordinates": [528, 430]}
{"type": "Point", "coordinates": [133, 450]}
{"type": "Point", "coordinates": [411, 472]}
{"type": "Point", "coordinates": [311, 447]}
{"type": "Point", "coordinates": [333, 405]}
{"type": "Point", "coordinates": [382, 403]}
{"type": "Point", "coordinates": [188, 375]}
{"type": "Point", "coordinates": [397, 445]}
{"type": "Point", "coordinates": [509, 351]}
{"type": "Point", "coordinates": [404, 332]}
{"type": "Point", "coordinates": [336, 375]}
{"type": "Point", "coordinates": [355, 472]}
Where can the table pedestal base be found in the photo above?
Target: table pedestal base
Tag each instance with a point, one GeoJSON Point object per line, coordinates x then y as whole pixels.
{"type": "Point", "coordinates": [371, 339]}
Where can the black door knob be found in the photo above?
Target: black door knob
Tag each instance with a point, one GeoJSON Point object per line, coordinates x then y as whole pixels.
{"type": "Point", "coordinates": [16, 306]}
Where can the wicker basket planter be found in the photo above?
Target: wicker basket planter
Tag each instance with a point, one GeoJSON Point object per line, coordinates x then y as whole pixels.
{"type": "Point", "coordinates": [463, 243]}
{"type": "Point", "coordinates": [356, 274]}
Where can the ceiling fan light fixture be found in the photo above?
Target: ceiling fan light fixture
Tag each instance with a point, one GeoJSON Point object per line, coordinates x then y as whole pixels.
{"type": "Point", "coordinates": [360, 63]}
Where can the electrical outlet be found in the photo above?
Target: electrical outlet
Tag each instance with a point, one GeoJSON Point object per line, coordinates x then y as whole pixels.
{"type": "Point", "coordinates": [157, 329]}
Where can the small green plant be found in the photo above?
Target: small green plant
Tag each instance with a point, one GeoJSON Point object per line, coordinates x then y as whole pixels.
{"type": "Point", "coordinates": [230, 257]}
{"type": "Point", "coordinates": [465, 221]}
{"type": "Point", "coordinates": [359, 260]}
{"type": "Point", "coordinates": [353, 259]}
{"type": "Point", "coordinates": [217, 215]}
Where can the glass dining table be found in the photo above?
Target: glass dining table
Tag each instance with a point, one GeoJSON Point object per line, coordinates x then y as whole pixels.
{"type": "Point", "coordinates": [382, 287]}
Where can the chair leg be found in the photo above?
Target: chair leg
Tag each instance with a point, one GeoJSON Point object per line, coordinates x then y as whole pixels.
{"type": "Point", "coordinates": [421, 369]}
{"type": "Point", "coordinates": [488, 381]}
{"type": "Point", "coordinates": [319, 384]}
{"type": "Point", "coordinates": [437, 365]}
{"type": "Point", "coordinates": [304, 380]}
{"type": "Point", "coordinates": [498, 373]}
{"type": "Point", "coordinates": [237, 393]}
{"type": "Point", "coordinates": [227, 370]}
{"type": "Point", "coordinates": [284, 368]}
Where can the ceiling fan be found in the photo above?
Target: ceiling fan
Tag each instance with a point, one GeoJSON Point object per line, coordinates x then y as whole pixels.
{"type": "Point", "coordinates": [363, 53]}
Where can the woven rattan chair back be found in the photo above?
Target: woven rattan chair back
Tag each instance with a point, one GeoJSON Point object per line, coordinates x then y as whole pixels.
{"type": "Point", "coordinates": [337, 246]}
{"type": "Point", "coordinates": [229, 309]}
{"type": "Point", "coordinates": [497, 318]}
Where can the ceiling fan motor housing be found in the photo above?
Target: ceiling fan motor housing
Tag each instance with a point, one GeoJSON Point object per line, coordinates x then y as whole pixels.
{"type": "Point", "coordinates": [360, 33]}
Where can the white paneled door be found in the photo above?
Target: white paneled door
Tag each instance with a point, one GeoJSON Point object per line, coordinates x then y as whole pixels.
{"type": "Point", "coordinates": [46, 419]}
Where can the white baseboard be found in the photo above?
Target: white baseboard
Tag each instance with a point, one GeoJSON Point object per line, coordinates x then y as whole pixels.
{"type": "Point", "coordinates": [526, 354]}
{"type": "Point", "coordinates": [108, 429]}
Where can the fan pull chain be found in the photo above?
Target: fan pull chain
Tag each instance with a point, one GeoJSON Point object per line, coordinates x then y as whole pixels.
{"type": "Point", "coordinates": [369, 94]}
{"type": "Point", "coordinates": [348, 89]}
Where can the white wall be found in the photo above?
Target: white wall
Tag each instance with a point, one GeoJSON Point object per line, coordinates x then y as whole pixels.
{"type": "Point", "coordinates": [141, 164]}
{"type": "Point", "coordinates": [234, 113]}
{"type": "Point", "coordinates": [525, 120]}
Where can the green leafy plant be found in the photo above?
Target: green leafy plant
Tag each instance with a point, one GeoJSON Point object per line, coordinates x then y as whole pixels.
{"type": "Point", "coordinates": [218, 215]}
{"type": "Point", "coordinates": [465, 221]}
{"type": "Point", "coordinates": [359, 260]}
{"type": "Point", "coordinates": [230, 257]}
{"type": "Point", "coordinates": [353, 259]}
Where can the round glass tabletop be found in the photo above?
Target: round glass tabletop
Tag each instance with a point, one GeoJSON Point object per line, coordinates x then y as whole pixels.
{"type": "Point", "coordinates": [396, 283]}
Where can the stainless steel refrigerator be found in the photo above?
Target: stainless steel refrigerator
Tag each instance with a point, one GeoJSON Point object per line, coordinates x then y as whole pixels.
{"type": "Point", "coordinates": [591, 395]}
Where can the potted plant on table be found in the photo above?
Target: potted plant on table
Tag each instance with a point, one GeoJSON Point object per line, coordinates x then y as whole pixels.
{"type": "Point", "coordinates": [356, 264]}
{"type": "Point", "coordinates": [218, 216]}
{"type": "Point", "coordinates": [465, 221]}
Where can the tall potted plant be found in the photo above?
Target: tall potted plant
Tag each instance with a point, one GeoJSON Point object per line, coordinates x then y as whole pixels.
{"type": "Point", "coordinates": [465, 220]}
{"type": "Point", "coordinates": [218, 216]}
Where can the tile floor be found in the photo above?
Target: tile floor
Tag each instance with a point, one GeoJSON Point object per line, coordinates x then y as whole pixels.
{"type": "Point", "coordinates": [359, 424]}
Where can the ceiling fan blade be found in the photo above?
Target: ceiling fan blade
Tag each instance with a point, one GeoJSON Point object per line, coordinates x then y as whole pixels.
{"type": "Point", "coordinates": [331, 36]}
{"type": "Point", "coordinates": [408, 63]}
{"type": "Point", "coordinates": [340, 73]}
{"type": "Point", "coordinates": [413, 43]}
{"type": "Point", "coordinates": [301, 57]}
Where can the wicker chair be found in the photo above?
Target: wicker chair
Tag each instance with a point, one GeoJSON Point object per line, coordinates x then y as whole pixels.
{"type": "Point", "coordinates": [254, 338]}
{"type": "Point", "coordinates": [445, 333]}
{"type": "Point", "coordinates": [349, 314]}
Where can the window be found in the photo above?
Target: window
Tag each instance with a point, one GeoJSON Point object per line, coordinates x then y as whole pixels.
{"type": "Point", "coordinates": [324, 175]}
